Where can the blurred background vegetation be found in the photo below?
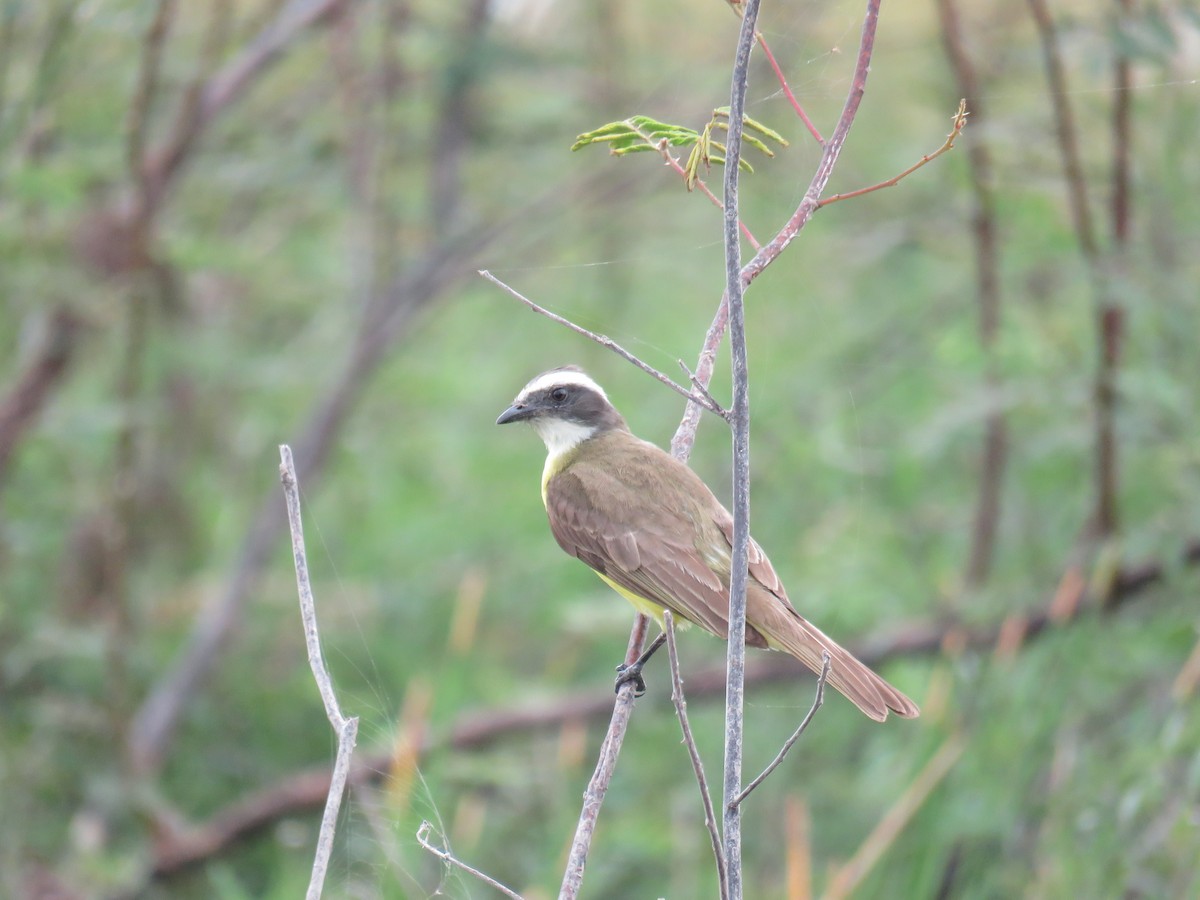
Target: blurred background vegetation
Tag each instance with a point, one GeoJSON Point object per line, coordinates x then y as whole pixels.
{"type": "Point", "coordinates": [232, 224]}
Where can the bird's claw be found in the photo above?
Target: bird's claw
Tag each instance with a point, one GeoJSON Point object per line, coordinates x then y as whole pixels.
{"type": "Point", "coordinates": [630, 674]}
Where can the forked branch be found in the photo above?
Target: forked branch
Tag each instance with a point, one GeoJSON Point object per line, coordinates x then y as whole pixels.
{"type": "Point", "coordinates": [451, 860]}
{"type": "Point", "coordinates": [345, 729]}
{"type": "Point", "coordinates": [959, 122]}
{"type": "Point", "coordinates": [818, 700]}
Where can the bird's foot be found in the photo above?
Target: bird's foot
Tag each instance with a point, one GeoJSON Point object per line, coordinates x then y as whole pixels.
{"type": "Point", "coordinates": [630, 674]}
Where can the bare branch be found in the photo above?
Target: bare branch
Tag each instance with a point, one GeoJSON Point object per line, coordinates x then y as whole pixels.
{"type": "Point", "coordinates": [818, 700]}
{"type": "Point", "coordinates": [610, 749]}
{"type": "Point", "coordinates": [735, 660]}
{"type": "Point", "coordinates": [345, 729]}
{"type": "Point", "coordinates": [737, 7]}
{"type": "Point", "coordinates": [702, 398]}
{"type": "Point", "coordinates": [959, 122]}
{"type": "Point", "coordinates": [20, 406]}
{"type": "Point", "coordinates": [677, 697]}
{"type": "Point", "coordinates": [829, 156]}
{"type": "Point", "coordinates": [447, 857]}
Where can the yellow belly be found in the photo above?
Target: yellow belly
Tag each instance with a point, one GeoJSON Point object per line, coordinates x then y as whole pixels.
{"type": "Point", "coordinates": [644, 606]}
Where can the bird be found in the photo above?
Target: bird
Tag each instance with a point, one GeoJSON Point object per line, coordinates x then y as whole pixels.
{"type": "Point", "coordinates": [650, 527]}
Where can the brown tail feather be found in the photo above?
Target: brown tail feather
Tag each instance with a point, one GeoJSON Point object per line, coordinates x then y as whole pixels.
{"type": "Point", "coordinates": [787, 631]}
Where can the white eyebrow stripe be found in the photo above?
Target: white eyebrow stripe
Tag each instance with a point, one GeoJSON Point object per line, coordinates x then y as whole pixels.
{"type": "Point", "coordinates": [555, 377]}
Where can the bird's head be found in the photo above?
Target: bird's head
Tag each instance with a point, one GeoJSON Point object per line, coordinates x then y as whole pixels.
{"type": "Point", "coordinates": [565, 407]}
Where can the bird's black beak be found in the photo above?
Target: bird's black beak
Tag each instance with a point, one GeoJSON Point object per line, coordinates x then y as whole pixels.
{"type": "Point", "coordinates": [517, 413]}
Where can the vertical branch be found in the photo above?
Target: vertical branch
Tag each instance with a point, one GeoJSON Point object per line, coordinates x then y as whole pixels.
{"type": "Point", "coordinates": [593, 795]}
{"type": "Point", "coordinates": [130, 375]}
{"type": "Point", "coordinates": [1109, 316]}
{"type": "Point", "coordinates": [1122, 140]}
{"type": "Point", "coordinates": [20, 405]}
{"type": "Point", "coordinates": [987, 280]}
{"type": "Point", "coordinates": [735, 667]}
{"type": "Point", "coordinates": [139, 108]}
{"type": "Point", "coordinates": [345, 729]}
{"type": "Point", "coordinates": [680, 701]}
{"type": "Point", "coordinates": [1112, 319]}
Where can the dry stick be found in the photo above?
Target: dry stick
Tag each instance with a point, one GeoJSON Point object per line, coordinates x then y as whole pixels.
{"type": "Point", "coordinates": [702, 397]}
{"type": "Point", "coordinates": [345, 729]}
{"type": "Point", "coordinates": [606, 765]}
{"type": "Point", "coordinates": [677, 697]}
{"type": "Point", "coordinates": [850, 875]}
{"type": "Point", "coordinates": [447, 857]}
{"type": "Point", "coordinates": [735, 659]}
{"type": "Point", "coordinates": [959, 122]}
{"type": "Point", "coordinates": [818, 700]}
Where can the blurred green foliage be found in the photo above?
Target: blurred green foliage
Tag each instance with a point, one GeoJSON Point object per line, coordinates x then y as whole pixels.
{"type": "Point", "coordinates": [1081, 775]}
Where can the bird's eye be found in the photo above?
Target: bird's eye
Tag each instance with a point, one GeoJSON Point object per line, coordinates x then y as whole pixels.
{"type": "Point", "coordinates": [558, 395]}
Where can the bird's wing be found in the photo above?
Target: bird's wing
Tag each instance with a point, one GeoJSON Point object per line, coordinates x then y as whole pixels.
{"type": "Point", "coordinates": [637, 548]}
{"type": "Point", "coordinates": [760, 567]}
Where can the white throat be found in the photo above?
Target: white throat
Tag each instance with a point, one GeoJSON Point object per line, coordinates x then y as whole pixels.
{"type": "Point", "coordinates": [560, 436]}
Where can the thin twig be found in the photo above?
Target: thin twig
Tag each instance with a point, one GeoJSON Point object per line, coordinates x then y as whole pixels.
{"type": "Point", "coordinates": [702, 398]}
{"type": "Point", "coordinates": [829, 156]}
{"type": "Point", "coordinates": [680, 701]}
{"type": "Point", "coordinates": [738, 7]}
{"type": "Point", "coordinates": [345, 729]}
{"type": "Point", "coordinates": [818, 700]}
{"type": "Point", "coordinates": [735, 660]}
{"type": "Point", "coordinates": [447, 857]}
{"type": "Point", "coordinates": [787, 91]}
{"type": "Point", "coordinates": [959, 122]}
{"type": "Point", "coordinates": [606, 765]}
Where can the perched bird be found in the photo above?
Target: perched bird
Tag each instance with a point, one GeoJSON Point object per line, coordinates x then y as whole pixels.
{"type": "Point", "coordinates": [651, 528]}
